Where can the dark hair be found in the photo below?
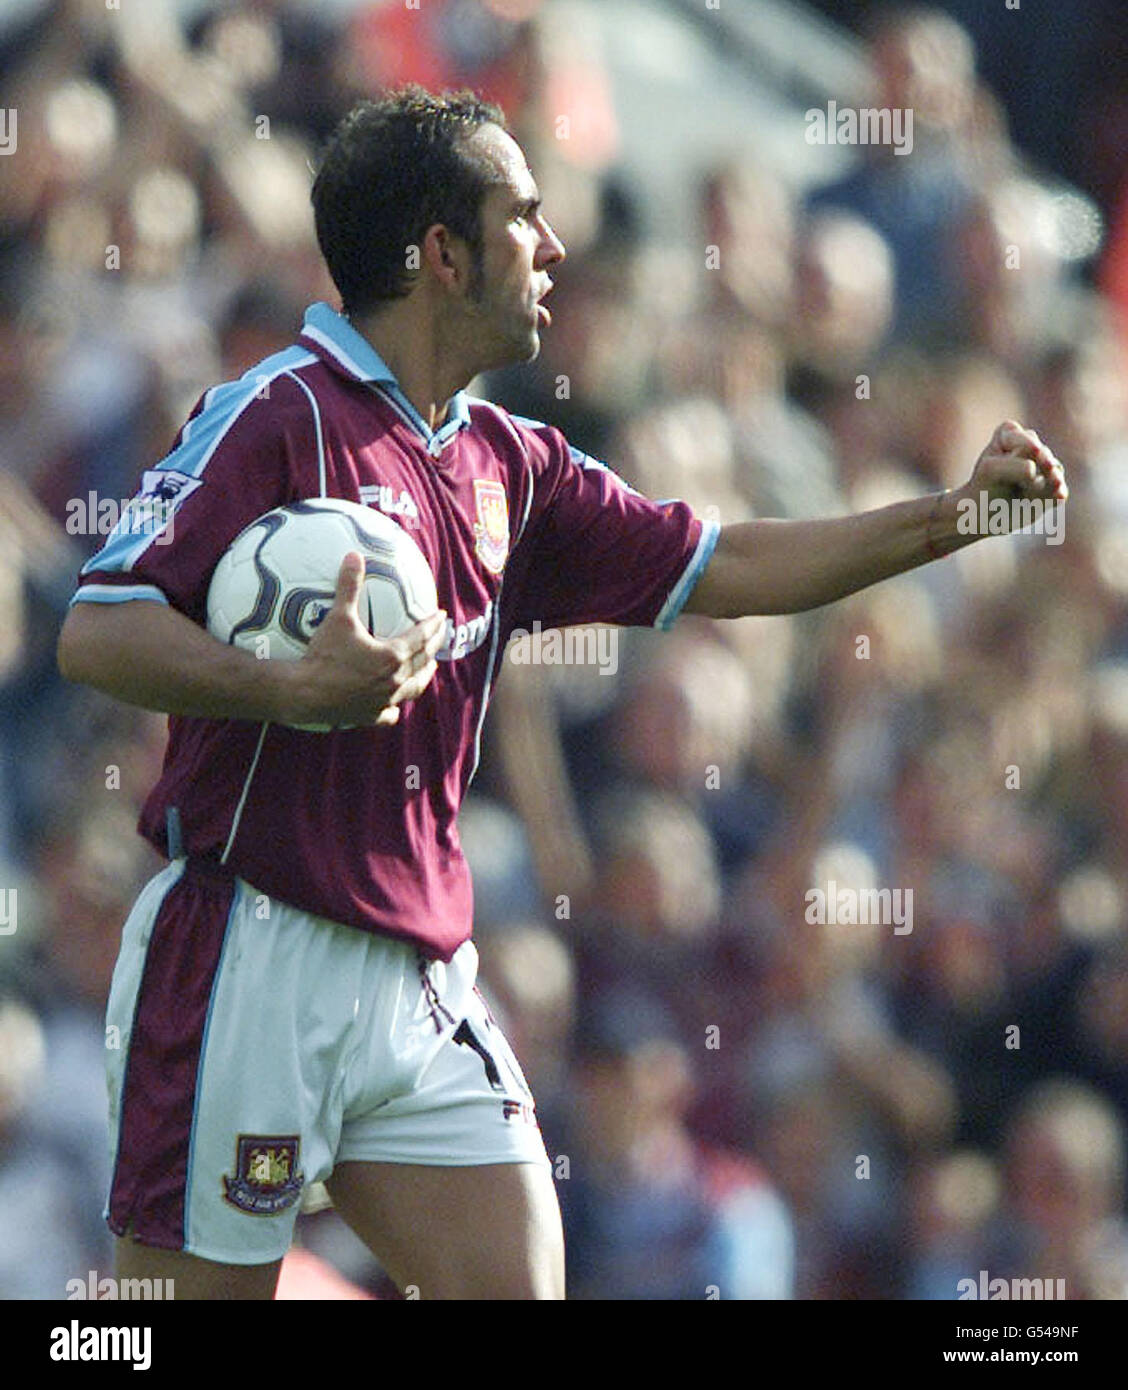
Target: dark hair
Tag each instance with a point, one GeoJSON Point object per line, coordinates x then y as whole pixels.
{"type": "Point", "coordinates": [391, 169]}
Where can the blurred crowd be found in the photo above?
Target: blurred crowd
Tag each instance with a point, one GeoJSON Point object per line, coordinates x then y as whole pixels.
{"type": "Point", "coordinates": [739, 1103]}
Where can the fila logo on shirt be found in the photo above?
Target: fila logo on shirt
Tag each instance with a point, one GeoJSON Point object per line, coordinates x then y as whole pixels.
{"type": "Point", "coordinates": [384, 499]}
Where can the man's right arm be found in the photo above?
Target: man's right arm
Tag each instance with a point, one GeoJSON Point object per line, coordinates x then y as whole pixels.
{"type": "Point", "coordinates": [146, 653]}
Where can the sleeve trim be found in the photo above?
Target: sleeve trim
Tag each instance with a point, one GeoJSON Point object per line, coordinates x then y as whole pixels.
{"type": "Point", "coordinates": [679, 594]}
{"type": "Point", "coordinates": [118, 593]}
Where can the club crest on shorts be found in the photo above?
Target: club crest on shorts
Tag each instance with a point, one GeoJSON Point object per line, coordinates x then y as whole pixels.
{"type": "Point", "coordinates": [492, 525]}
{"type": "Point", "coordinates": [267, 1177]}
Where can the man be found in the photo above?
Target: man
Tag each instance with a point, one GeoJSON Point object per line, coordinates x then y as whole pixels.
{"type": "Point", "coordinates": [296, 990]}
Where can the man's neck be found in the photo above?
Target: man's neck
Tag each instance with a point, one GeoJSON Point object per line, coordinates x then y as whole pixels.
{"type": "Point", "coordinates": [427, 374]}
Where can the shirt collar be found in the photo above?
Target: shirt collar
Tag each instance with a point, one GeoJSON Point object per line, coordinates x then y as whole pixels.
{"type": "Point", "coordinates": [335, 340]}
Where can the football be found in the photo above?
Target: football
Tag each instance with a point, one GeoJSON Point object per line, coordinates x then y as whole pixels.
{"type": "Point", "coordinates": [278, 578]}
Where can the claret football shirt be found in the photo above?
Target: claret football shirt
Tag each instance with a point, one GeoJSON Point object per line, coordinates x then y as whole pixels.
{"type": "Point", "coordinates": [519, 528]}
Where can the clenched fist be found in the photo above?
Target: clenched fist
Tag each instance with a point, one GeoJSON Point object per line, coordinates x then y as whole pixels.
{"type": "Point", "coordinates": [1016, 464]}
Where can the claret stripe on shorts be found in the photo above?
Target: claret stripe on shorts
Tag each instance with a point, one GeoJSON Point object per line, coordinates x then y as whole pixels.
{"type": "Point", "coordinates": [158, 1103]}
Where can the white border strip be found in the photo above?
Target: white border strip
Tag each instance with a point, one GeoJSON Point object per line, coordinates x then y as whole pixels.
{"type": "Point", "coordinates": [317, 425]}
{"type": "Point", "coordinates": [243, 798]}
{"type": "Point", "coordinates": [416, 422]}
{"type": "Point", "coordinates": [710, 531]}
{"type": "Point", "coordinates": [334, 349]}
{"type": "Point", "coordinates": [117, 593]}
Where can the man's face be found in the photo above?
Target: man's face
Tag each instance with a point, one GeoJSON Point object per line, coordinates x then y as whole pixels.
{"type": "Point", "coordinates": [518, 249]}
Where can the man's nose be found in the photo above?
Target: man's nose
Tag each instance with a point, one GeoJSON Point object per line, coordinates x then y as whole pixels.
{"type": "Point", "coordinates": [551, 249]}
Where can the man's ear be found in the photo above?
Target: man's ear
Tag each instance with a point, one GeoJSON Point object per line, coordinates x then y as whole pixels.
{"type": "Point", "coordinates": [446, 255]}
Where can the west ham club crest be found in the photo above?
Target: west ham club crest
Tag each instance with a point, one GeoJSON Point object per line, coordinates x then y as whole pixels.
{"type": "Point", "coordinates": [492, 525]}
{"type": "Point", "coordinates": [267, 1178]}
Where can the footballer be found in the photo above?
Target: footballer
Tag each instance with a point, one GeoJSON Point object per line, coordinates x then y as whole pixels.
{"type": "Point", "coordinates": [296, 989]}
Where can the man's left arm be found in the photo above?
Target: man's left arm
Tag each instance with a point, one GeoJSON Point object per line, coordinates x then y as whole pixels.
{"type": "Point", "coordinates": [772, 566]}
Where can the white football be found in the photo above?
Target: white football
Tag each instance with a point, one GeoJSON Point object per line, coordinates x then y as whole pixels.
{"type": "Point", "coordinates": [278, 578]}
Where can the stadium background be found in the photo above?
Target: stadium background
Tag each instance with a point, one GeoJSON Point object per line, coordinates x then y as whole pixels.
{"type": "Point", "coordinates": [738, 1101]}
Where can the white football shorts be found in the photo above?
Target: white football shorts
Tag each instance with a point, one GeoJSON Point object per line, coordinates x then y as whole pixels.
{"type": "Point", "coordinates": [251, 1047]}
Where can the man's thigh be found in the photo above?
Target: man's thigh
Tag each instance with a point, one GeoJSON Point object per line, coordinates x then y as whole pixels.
{"type": "Point", "coordinates": [482, 1232]}
{"type": "Point", "coordinates": [191, 1277]}
{"type": "Point", "coordinates": [448, 1181]}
